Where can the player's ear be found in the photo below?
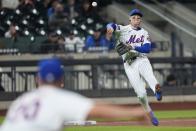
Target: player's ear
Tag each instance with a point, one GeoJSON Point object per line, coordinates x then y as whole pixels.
{"type": "Point", "coordinates": [62, 84]}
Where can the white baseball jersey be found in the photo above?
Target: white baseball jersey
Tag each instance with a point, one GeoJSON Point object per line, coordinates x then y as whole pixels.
{"type": "Point", "coordinates": [134, 37]}
{"type": "Point", "coordinates": [46, 109]}
{"type": "Point", "coordinates": [141, 66]}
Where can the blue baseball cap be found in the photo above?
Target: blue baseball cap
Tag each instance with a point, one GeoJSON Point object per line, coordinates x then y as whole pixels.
{"type": "Point", "coordinates": [135, 12]}
{"type": "Point", "coordinates": [50, 70]}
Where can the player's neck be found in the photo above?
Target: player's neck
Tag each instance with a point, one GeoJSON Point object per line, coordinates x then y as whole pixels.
{"type": "Point", "coordinates": [56, 84]}
{"type": "Point", "coordinates": [135, 27]}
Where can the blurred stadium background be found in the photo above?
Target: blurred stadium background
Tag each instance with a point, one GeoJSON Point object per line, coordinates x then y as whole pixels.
{"type": "Point", "coordinates": [31, 30]}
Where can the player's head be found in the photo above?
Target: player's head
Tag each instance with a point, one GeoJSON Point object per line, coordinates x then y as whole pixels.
{"type": "Point", "coordinates": [135, 17]}
{"type": "Point", "coordinates": [50, 72]}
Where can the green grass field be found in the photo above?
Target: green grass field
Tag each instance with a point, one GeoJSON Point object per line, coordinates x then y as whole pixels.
{"type": "Point", "coordinates": [129, 128]}
{"type": "Point", "coordinates": [176, 114]}
{"type": "Point", "coordinates": [160, 114]}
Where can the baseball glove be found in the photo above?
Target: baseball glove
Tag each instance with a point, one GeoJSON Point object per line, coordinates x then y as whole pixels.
{"type": "Point", "coordinates": [122, 48]}
{"type": "Point", "coordinates": [130, 57]}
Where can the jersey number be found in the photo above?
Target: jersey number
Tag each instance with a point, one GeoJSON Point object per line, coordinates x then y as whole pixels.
{"type": "Point", "coordinates": [27, 111]}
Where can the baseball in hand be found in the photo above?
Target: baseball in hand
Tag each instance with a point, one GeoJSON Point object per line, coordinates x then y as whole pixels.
{"type": "Point", "coordinates": [110, 31]}
{"type": "Point", "coordinates": [94, 4]}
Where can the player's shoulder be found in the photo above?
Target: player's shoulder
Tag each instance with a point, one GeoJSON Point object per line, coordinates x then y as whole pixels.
{"type": "Point", "coordinates": [143, 30]}
{"type": "Point", "coordinates": [60, 93]}
{"type": "Point", "coordinates": [23, 98]}
{"type": "Point", "coordinates": [26, 95]}
{"type": "Point", "coordinates": [49, 93]}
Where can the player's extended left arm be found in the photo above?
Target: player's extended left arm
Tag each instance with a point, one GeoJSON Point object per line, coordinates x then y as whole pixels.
{"type": "Point", "coordinates": [145, 48]}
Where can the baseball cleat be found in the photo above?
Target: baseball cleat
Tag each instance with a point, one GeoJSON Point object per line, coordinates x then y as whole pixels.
{"type": "Point", "coordinates": [154, 120]}
{"type": "Point", "coordinates": [158, 92]}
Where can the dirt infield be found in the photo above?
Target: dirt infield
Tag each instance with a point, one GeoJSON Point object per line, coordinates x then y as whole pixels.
{"type": "Point", "coordinates": [174, 106]}
{"type": "Point", "coordinates": [171, 122]}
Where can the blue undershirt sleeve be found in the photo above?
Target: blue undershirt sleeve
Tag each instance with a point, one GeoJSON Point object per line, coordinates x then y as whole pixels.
{"type": "Point", "coordinates": [145, 48]}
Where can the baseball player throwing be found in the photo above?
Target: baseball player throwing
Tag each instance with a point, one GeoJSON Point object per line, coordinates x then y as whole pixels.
{"type": "Point", "coordinates": [48, 107]}
{"type": "Point", "coordinates": [133, 45]}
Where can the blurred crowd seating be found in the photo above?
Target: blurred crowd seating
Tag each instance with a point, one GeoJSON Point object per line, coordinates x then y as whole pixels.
{"type": "Point", "coordinates": [44, 26]}
{"type": "Point", "coordinates": [64, 23]}
{"type": "Point", "coordinates": [36, 17]}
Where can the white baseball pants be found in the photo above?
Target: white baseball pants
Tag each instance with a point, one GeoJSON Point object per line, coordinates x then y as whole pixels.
{"type": "Point", "coordinates": [139, 71]}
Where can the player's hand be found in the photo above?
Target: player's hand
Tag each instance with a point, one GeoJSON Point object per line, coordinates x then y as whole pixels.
{"type": "Point", "coordinates": [110, 30]}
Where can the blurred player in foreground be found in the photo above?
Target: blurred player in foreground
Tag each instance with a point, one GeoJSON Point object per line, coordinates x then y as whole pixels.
{"type": "Point", "coordinates": [133, 45]}
{"type": "Point", "coordinates": [49, 106]}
